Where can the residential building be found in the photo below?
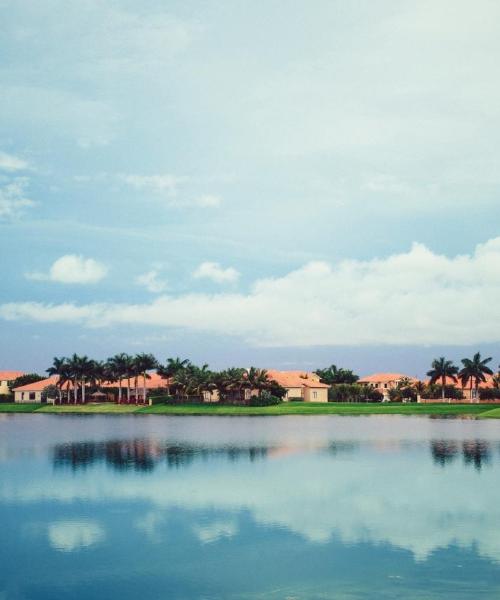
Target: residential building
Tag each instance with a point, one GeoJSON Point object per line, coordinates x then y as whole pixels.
{"type": "Point", "coordinates": [6, 378]}
{"type": "Point", "coordinates": [384, 382]}
{"type": "Point", "coordinates": [301, 385]}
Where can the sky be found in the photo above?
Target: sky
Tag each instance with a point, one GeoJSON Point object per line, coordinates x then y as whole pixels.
{"type": "Point", "coordinates": [283, 184]}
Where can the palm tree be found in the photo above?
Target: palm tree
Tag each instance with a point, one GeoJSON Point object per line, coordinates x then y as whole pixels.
{"type": "Point", "coordinates": [120, 367]}
{"type": "Point", "coordinates": [144, 363]}
{"type": "Point", "coordinates": [258, 379]}
{"type": "Point", "coordinates": [173, 366]}
{"type": "Point", "coordinates": [84, 369]}
{"type": "Point", "coordinates": [60, 368]}
{"type": "Point", "coordinates": [442, 369]}
{"type": "Point", "coordinates": [333, 375]}
{"type": "Point", "coordinates": [474, 371]}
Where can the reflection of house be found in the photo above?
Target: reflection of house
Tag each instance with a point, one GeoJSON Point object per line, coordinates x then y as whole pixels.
{"type": "Point", "coordinates": [301, 385]}
{"type": "Point", "coordinates": [6, 377]}
{"type": "Point", "coordinates": [384, 382]}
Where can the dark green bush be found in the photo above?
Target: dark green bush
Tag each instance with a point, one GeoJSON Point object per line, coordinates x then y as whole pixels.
{"type": "Point", "coordinates": [489, 393]}
{"type": "Point", "coordinates": [265, 399]}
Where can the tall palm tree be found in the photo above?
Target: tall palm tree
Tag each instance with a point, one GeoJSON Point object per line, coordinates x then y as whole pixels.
{"type": "Point", "coordinates": [74, 374]}
{"type": "Point", "coordinates": [474, 370]}
{"type": "Point", "coordinates": [84, 369]}
{"type": "Point", "coordinates": [60, 368]}
{"type": "Point", "coordinates": [143, 364]}
{"type": "Point", "coordinates": [173, 366]}
{"type": "Point", "coordinates": [442, 369]}
{"type": "Point", "coordinates": [258, 379]}
{"type": "Point", "coordinates": [120, 366]}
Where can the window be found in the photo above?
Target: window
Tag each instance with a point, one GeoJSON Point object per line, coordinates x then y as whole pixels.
{"type": "Point", "coordinates": [315, 395]}
{"type": "Point", "coordinates": [32, 395]}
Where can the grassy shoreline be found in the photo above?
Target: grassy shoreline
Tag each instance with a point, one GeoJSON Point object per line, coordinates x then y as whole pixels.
{"type": "Point", "coordinates": [292, 408]}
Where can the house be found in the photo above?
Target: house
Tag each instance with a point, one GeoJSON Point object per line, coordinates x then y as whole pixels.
{"type": "Point", "coordinates": [32, 392]}
{"type": "Point", "coordinates": [301, 385]}
{"type": "Point", "coordinates": [468, 392]}
{"type": "Point", "coordinates": [6, 377]}
{"type": "Point", "coordinates": [384, 382]}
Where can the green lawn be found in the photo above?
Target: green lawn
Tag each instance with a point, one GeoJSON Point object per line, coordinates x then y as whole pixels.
{"type": "Point", "coordinates": [289, 408]}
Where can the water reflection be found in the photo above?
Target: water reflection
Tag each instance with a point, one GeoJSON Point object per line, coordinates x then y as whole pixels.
{"type": "Point", "coordinates": [145, 454]}
{"type": "Point", "coordinates": [474, 452]}
{"type": "Point", "coordinates": [191, 509]}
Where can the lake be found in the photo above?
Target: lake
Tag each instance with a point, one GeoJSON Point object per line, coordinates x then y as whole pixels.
{"type": "Point", "coordinates": [292, 507]}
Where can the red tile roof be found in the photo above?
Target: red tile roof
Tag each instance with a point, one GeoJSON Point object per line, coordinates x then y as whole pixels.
{"type": "Point", "coordinates": [295, 379]}
{"type": "Point", "coordinates": [10, 375]}
{"type": "Point", "coordinates": [385, 378]}
{"type": "Point", "coordinates": [38, 386]}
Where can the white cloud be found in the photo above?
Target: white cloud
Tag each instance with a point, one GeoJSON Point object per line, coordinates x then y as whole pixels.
{"type": "Point", "coordinates": [208, 201]}
{"type": "Point", "coordinates": [9, 162]}
{"type": "Point", "coordinates": [13, 199]}
{"type": "Point", "coordinates": [68, 536]}
{"type": "Point", "coordinates": [152, 282]}
{"type": "Point", "coordinates": [213, 271]}
{"type": "Point", "coordinates": [417, 297]}
{"type": "Point", "coordinates": [158, 184]}
{"type": "Point", "coordinates": [73, 269]}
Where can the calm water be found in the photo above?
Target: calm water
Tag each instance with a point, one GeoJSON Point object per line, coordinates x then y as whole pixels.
{"type": "Point", "coordinates": [279, 507]}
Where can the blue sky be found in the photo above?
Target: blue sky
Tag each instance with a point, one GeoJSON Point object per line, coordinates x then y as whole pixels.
{"type": "Point", "coordinates": [250, 182]}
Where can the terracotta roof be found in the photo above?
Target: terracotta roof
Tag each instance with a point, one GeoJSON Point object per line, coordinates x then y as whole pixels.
{"type": "Point", "coordinates": [38, 386]}
{"type": "Point", "coordinates": [294, 379]}
{"type": "Point", "coordinates": [10, 375]}
{"type": "Point", "coordinates": [155, 381]}
{"type": "Point", "coordinates": [385, 378]}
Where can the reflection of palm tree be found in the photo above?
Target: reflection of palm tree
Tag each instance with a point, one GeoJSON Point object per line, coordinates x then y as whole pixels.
{"type": "Point", "coordinates": [443, 451]}
{"type": "Point", "coordinates": [476, 452]}
{"type": "Point", "coordinates": [442, 369]}
{"type": "Point", "coordinates": [474, 371]}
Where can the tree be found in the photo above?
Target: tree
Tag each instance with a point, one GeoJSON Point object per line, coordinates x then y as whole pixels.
{"type": "Point", "coordinates": [25, 380]}
{"type": "Point", "coordinates": [118, 368]}
{"type": "Point", "coordinates": [172, 367]}
{"type": "Point", "coordinates": [442, 369]}
{"type": "Point", "coordinates": [60, 368]}
{"type": "Point", "coordinates": [333, 375]}
{"type": "Point", "coordinates": [144, 363]}
{"type": "Point", "coordinates": [474, 370]}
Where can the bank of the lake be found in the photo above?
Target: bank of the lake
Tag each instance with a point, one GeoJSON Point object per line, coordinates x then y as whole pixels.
{"type": "Point", "coordinates": [288, 408]}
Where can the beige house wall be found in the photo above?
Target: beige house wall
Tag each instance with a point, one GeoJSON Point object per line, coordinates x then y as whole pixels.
{"type": "Point", "coordinates": [4, 387]}
{"type": "Point", "coordinates": [293, 392]}
{"type": "Point", "coordinates": [316, 395]}
{"type": "Point", "coordinates": [28, 397]}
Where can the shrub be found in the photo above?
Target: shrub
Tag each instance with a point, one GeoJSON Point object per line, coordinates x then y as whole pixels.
{"type": "Point", "coordinates": [163, 400]}
{"type": "Point", "coordinates": [296, 399]}
{"type": "Point", "coordinates": [6, 398]}
{"type": "Point", "coordinates": [348, 392]}
{"type": "Point", "coordinates": [489, 393]}
{"type": "Point", "coordinates": [265, 399]}
{"type": "Point", "coordinates": [451, 391]}
{"type": "Point", "coordinates": [50, 391]}
{"type": "Point", "coordinates": [375, 395]}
